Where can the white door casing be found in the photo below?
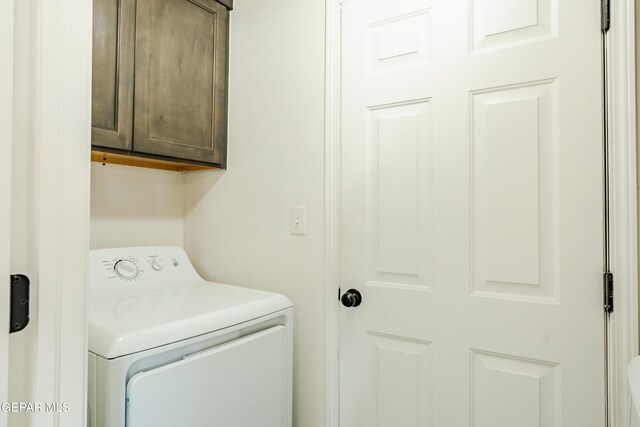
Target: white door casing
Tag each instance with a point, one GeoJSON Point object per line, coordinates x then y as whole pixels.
{"type": "Point", "coordinates": [50, 206]}
{"type": "Point", "coordinates": [63, 161]}
{"type": "Point", "coordinates": [623, 344]}
{"type": "Point", "coordinates": [6, 136]}
{"type": "Point", "coordinates": [471, 214]}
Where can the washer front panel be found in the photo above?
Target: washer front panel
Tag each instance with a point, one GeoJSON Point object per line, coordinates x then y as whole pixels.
{"type": "Point", "coordinates": [226, 386]}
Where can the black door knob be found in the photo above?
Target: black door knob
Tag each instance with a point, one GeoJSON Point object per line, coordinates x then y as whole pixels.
{"type": "Point", "coordinates": [351, 298]}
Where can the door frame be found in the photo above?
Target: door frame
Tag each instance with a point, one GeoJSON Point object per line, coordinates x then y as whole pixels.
{"type": "Point", "coordinates": [6, 132]}
{"type": "Point", "coordinates": [62, 124]}
{"type": "Point", "coordinates": [332, 163]}
{"type": "Point", "coordinates": [59, 120]}
{"type": "Point", "coordinates": [623, 344]}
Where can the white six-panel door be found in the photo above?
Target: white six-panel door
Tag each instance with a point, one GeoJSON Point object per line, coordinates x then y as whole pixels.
{"type": "Point", "coordinates": [471, 214]}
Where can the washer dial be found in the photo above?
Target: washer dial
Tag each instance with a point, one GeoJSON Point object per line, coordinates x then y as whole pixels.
{"type": "Point", "coordinates": [156, 264]}
{"type": "Point", "coordinates": [126, 269]}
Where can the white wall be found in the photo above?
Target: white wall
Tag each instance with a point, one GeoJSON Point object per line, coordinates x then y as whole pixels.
{"type": "Point", "coordinates": [133, 206]}
{"type": "Point", "coordinates": [237, 221]}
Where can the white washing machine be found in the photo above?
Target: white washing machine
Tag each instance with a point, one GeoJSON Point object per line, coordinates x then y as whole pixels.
{"type": "Point", "coordinates": [168, 349]}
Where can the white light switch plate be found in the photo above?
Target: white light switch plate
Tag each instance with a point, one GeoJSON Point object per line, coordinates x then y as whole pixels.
{"type": "Point", "coordinates": [298, 220]}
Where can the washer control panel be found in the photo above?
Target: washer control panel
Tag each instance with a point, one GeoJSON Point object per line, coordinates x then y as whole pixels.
{"type": "Point", "coordinates": [132, 268]}
{"type": "Point", "coordinates": [156, 265]}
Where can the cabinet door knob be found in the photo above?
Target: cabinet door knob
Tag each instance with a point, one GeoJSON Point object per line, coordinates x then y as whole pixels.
{"type": "Point", "coordinates": [351, 298]}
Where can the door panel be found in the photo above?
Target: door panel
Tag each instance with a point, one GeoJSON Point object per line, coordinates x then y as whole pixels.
{"type": "Point", "coordinates": [513, 391]}
{"type": "Point", "coordinates": [513, 221]}
{"type": "Point", "coordinates": [471, 214]}
{"type": "Point", "coordinates": [112, 73]}
{"type": "Point", "coordinates": [181, 57]}
{"type": "Point", "coordinates": [399, 141]}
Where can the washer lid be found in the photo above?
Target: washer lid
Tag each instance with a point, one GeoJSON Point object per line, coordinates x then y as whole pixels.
{"type": "Point", "coordinates": [129, 324]}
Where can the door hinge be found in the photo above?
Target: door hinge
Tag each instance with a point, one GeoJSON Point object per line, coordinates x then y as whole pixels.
{"type": "Point", "coordinates": [608, 292]}
{"type": "Point", "coordinates": [605, 15]}
{"type": "Point", "coordinates": [19, 300]}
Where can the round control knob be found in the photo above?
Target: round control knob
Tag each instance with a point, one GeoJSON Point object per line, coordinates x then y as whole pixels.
{"type": "Point", "coordinates": [351, 298]}
{"type": "Point", "coordinates": [157, 265]}
{"type": "Point", "coordinates": [126, 269]}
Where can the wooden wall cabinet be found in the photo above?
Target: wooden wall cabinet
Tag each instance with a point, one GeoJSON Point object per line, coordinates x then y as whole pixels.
{"type": "Point", "coordinates": [160, 82]}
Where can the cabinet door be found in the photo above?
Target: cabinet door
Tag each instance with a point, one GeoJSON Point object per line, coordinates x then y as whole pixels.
{"type": "Point", "coordinates": [112, 80]}
{"type": "Point", "coordinates": [181, 79]}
